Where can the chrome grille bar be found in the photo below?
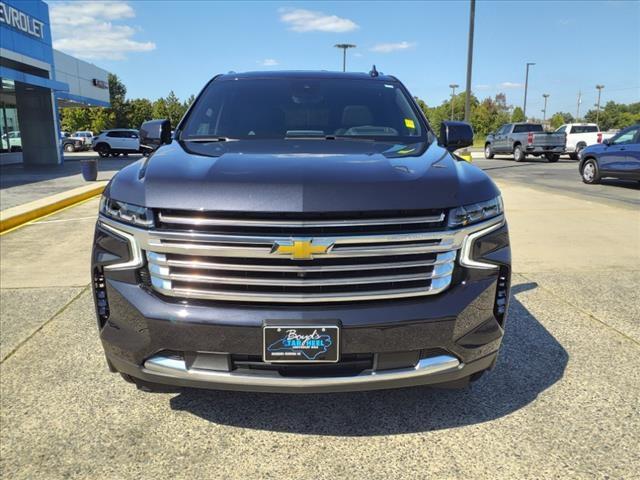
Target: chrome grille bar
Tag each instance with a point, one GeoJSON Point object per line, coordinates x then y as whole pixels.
{"type": "Point", "coordinates": [208, 221]}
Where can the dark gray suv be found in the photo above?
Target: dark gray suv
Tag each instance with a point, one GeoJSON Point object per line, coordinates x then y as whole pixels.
{"type": "Point", "coordinates": [301, 232]}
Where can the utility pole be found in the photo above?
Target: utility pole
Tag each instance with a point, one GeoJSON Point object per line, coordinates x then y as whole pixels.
{"type": "Point", "coordinates": [344, 47]}
{"type": "Point", "coordinates": [467, 101]}
{"type": "Point", "coordinates": [578, 108]}
{"type": "Point", "coordinates": [544, 110]}
{"type": "Point", "coordinates": [526, 87]}
{"type": "Point", "coordinates": [599, 87]}
{"type": "Point", "coordinates": [453, 87]}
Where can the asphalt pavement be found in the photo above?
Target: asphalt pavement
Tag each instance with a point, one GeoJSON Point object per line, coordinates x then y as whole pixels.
{"type": "Point", "coordinates": [562, 402]}
{"type": "Point", "coordinates": [562, 176]}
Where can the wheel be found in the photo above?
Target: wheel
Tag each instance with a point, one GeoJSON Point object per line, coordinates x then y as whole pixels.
{"type": "Point", "coordinates": [579, 148]}
{"type": "Point", "coordinates": [590, 173]}
{"type": "Point", "coordinates": [552, 157]}
{"type": "Point", "coordinates": [103, 150]}
{"type": "Point", "coordinates": [488, 151]}
{"type": "Point", "coordinates": [69, 148]}
{"type": "Point", "coordinates": [518, 153]}
{"type": "Point", "coordinates": [573, 156]}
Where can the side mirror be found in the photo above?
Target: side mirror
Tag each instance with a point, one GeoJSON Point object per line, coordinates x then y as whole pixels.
{"type": "Point", "coordinates": [155, 133]}
{"type": "Point", "coordinates": [606, 141]}
{"type": "Point", "coordinates": [455, 135]}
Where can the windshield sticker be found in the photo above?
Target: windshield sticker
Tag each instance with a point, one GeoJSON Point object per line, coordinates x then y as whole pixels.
{"type": "Point", "coordinates": [409, 123]}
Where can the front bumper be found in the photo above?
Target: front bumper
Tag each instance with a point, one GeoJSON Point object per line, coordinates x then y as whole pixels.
{"type": "Point", "coordinates": [541, 150]}
{"type": "Point", "coordinates": [439, 339]}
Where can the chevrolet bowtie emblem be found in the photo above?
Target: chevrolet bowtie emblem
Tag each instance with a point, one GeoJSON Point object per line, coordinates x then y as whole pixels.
{"type": "Point", "coordinates": [300, 249]}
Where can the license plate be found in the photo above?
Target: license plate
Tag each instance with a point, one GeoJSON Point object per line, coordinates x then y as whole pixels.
{"type": "Point", "coordinates": [301, 344]}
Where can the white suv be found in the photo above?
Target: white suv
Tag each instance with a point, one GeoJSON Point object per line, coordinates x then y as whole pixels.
{"type": "Point", "coordinates": [121, 141]}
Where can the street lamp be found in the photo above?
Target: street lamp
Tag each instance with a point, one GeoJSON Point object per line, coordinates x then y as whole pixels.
{"type": "Point", "coordinates": [544, 110]}
{"type": "Point", "coordinates": [344, 47]}
{"type": "Point", "coordinates": [599, 87]}
{"type": "Point", "coordinates": [453, 87]}
{"type": "Point", "coordinates": [467, 100]}
{"type": "Point", "coordinates": [526, 87]}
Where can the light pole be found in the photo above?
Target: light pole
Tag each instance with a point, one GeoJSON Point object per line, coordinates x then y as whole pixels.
{"type": "Point", "coordinates": [453, 87]}
{"type": "Point", "coordinates": [344, 47]}
{"type": "Point", "coordinates": [578, 107]}
{"type": "Point", "coordinates": [599, 87]}
{"type": "Point", "coordinates": [467, 100]}
{"type": "Point", "coordinates": [526, 87]}
{"type": "Point", "coordinates": [544, 111]}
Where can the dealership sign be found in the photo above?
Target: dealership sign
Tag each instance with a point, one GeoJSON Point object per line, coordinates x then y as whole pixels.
{"type": "Point", "coordinates": [20, 20]}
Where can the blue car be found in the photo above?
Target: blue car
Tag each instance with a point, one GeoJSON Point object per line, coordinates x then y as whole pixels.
{"type": "Point", "coordinates": [617, 157]}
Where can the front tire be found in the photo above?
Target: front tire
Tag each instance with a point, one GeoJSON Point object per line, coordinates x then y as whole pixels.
{"type": "Point", "coordinates": [590, 173]}
{"type": "Point", "coordinates": [573, 156]}
{"type": "Point", "coordinates": [103, 150]}
{"type": "Point", "coordinates": [552, 157]}
{"type": "Point", "coordinates": [518, 153]}
{"type": "Point", "coordinates": [69, 148]}
{"type": "Point", "coordinates": [488, 151]}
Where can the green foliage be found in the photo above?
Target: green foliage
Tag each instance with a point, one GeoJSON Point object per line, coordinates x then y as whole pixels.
{"type": "Point", "coordinates": [615, 115]}
{"type": "Point", "coordinates": [119, 104]}
{"type": "Point", "coordinates": [560, 118]}
{"type": "Point", "coordinates": [518, 115]}
{"type": "Point", "coordinates": [140, 110]}
{"type": "Point", "coordinates": [486, 116]}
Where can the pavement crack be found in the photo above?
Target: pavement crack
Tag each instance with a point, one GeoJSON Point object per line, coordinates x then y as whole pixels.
{"type": "Point", "coordinates": [53, 317]}
{"type": "Point", "coordinates": [580, 309]}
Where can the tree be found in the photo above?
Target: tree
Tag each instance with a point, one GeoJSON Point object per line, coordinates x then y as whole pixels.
{"type": "Point", "coordinates": [615, 115]}
{"type": "Point", "coordinates": [174, 108]}
{"type": "Point", "coordinates": [102, 119]}
{"type": "Point", "coordinates": [117, 98]}
{"type": "Point", "coordinates": [560, 118]}
{"type": "Point", "coordinates": [518, 115]}
{"type": "Point", "coordinates": [140, 110]}
{"type": "Point", "coordinates": [73, 119]}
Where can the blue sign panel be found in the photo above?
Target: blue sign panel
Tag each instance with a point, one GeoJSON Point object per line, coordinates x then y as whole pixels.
{"type": "Point", "coordinates": [24, 29]}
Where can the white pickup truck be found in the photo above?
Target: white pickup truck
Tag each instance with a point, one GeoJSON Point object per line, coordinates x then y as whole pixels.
{"type": "Point", "coordinates": [581, 135]}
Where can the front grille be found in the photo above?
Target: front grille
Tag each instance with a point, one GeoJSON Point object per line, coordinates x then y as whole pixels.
{"type": "Point", "coordinates": [217, 257]}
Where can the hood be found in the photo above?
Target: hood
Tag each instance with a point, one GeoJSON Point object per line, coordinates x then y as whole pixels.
{"type": "Point", "coordinates": [301, 176]}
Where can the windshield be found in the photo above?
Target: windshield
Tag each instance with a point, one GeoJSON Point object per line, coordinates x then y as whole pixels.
{"type": "Point", "coordinates": [303, 108]}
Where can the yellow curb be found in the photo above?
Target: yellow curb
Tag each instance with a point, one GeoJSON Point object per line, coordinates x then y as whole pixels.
{"type": "Point", "coordinates": [16, 216]}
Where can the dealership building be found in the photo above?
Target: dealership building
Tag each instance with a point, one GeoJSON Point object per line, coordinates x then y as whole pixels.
{"type": "Point", "coordinates": [35, 81]}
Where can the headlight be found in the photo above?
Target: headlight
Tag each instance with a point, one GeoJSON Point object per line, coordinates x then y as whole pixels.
{"type": "Point", "coordinates": [126, 212]}
{"type": "Point", "coordinates": [476, 212]}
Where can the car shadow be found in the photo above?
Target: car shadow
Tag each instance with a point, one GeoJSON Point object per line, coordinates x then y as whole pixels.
{"type": "Point", "coordinates": [531, 360]}
{"type": "Point", "coordinates": [613, 182]}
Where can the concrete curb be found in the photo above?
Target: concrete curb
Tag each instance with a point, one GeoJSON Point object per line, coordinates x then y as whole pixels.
{"type": "Point", "coordinates": [15, 216]}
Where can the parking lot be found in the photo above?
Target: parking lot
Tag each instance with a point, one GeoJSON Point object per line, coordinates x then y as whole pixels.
{"type": "Point", "coordinates": [562, 401]}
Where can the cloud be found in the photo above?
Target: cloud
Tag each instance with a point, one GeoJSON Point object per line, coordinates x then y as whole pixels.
{"type": "Point", "coordinates": [301, 20]}
{"type": "Point", "coordinates": [511, 85]}
{"type": "Point", "coordinates": [482, 86]}
{"type": "Point", "coordinates": [269, 62]}
{"type": "Point", "coordinates": [392, 47]}
{"type": "Point", "coordinates": [85, 29]}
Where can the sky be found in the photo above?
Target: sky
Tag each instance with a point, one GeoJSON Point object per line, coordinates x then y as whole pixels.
{"type": "Point", "coordinates": [158, 46]}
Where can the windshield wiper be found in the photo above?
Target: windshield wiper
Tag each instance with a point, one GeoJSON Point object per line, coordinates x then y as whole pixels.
{"type": "Point", "coordinates": [207, 139]}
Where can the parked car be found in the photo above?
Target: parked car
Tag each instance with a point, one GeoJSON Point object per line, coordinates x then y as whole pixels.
{"type": "Point", "coordinates": [617, 157]}
{"type": "Point", "coordinates": [522, 139]}
{"type": "Point", "coordinates": [301, 232]}
{"type": "Point", "coordinates": [84, 135]}
{"type": "Point", "coordinates": [70, 144]}
{"type": "Point", "coordinates": [12, 141]}
{"type": "Point", "coordinates": [120, 141]}
{"type": "Point", "coordinates": [581, 135]}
